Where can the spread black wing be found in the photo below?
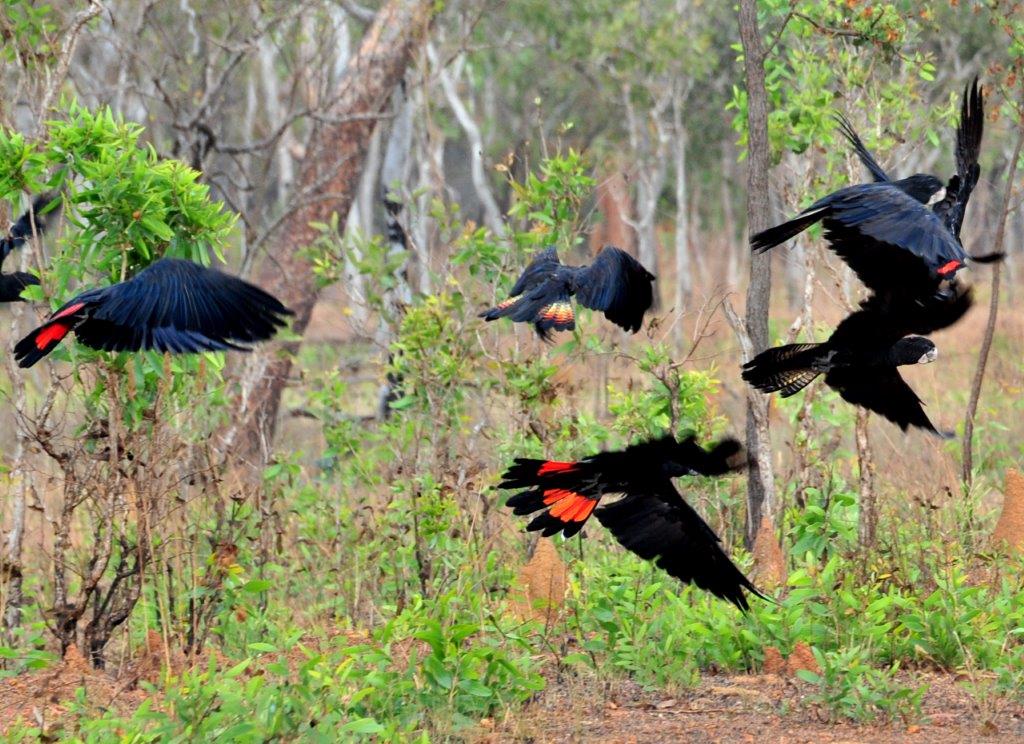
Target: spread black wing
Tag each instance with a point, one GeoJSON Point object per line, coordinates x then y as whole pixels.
{"type": "Point", "coordinates": [180, 306]}
{"type": "Point", "coordinates": [542, 265]}
{"type": "Point", "coordinates": [969, 133]}
{"type": "Point", "coordinates": [658, 525]}
{"type": "Point", "coordinates": [871, 223]}
{"type": "Point", "coordinates": [883, 319]}
{"type": "Point", "coordinates": [863, 153]}
{"type": "Point", "coordinates": [883, 391]}
{"type": "Point", "coordinates": [618, 285]}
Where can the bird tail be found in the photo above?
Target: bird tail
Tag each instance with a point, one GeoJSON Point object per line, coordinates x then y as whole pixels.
{"type": "Point", "coordinates": [45, 338]}
{"type": "Point", "coordinates": [554, 487]}
{"type": "Point", "coordinates": [773, 236]}
{"type": "Point", "coordinates": [547, 313]}
{"type": "Point", "coordinates": [785, 369]}
{"type": "Point", "coordinates": [503, 308]}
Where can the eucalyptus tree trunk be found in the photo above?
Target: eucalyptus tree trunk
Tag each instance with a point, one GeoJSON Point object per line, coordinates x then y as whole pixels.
{"type": "Point", "coordinates": [652, 157]}
{"type": "Point", "coordinates": [478, 172]}
{"type": "Point", "coordinates": [760, 480]}
{"type": "Point", "coordinates": [684, 278]}
{"type": "Point", "coordinates": [328, 178]}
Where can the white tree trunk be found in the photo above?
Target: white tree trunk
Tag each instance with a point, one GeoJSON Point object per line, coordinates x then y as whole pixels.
{"type": "Point", "coordinates": [684, 278]}
{"type": "Point", "coordinates": [492, 214]}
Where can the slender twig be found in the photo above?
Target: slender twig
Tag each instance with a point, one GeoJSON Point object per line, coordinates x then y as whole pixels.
{"type": "Point", "coordinates": [67, 50]}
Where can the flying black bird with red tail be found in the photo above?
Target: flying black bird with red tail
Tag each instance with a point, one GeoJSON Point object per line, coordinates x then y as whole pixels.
{"type": "Point", "coordinates": [12, 284]}
{"type": "Point", "coordinates": [860, 360]}
{"type": "Point", "coordinates": [889, 223]}
{"type": "Point", "coordinates": [172, 305]}
{"type": "Point", "coordinates": [615, 283]}
{"type": "Point", "coordinates": [651, 518]}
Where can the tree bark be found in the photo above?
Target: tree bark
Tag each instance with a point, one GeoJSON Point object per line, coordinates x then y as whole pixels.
{"type": "Point", "coordinates": [478, 172]}
{"type": "Point", "coordinates": [328, 177]}
{"type": "Point", "coordinates": [967, 460]}
{"type": "Point", "coordinates": [684, 279]}
{"type": "Point", "coordinates": [760, 481]}
{"type": "Point", "coordinates": [868, 522]}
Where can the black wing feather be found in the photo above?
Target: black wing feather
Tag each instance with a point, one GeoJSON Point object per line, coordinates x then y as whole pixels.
{"type": "Point", "coordinates": [617, 285]}
{"type": "Point", "coordinates": [883, 391]}
{"type": "Point", "coordinates": [180, 306]}
{"type": "Point", "coordinates": [539, 268]}
{"type": "Point", "coordinates": [847, 130]}
{"type": "Point", "coordinates": [884, 214]}
{"type": "Point", "coordinates": [21, 230]}
{"type": "Point", "coordinates": [660, 526]}
{"type": "Point", "coordinates": [969, 134]}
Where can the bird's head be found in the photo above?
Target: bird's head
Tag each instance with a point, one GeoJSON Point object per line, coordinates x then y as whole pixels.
{"type": "Point", "coordinates": [915, 350]}
{"type": "Point", "coordinates": [924, 188]}
{"type": "Point", "coordinates": [689, 458]}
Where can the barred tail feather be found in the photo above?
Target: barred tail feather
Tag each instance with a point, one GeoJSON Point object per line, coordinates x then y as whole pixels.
{"type": "Point", "coordinates": [784, 369]}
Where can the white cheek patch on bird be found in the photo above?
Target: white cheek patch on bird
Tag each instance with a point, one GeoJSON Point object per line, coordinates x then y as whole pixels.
{"type": "Point", "coordinates": [937, 197]}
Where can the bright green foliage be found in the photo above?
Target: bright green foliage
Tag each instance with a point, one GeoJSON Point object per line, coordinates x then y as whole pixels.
{"type": "Point", "coordinates": [832, 55]}
{"type": "Point", "coordinates": [28, 31]}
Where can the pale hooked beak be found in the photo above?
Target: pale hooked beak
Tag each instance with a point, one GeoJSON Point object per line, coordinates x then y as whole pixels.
{"type": "Point", "coordinates": [929, 356]}
{"type": "Point", "coordinates": [937, 196]}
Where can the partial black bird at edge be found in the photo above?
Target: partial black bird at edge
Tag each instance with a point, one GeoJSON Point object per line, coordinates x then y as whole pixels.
{"type": "Point", "coordinates": [172, 305]}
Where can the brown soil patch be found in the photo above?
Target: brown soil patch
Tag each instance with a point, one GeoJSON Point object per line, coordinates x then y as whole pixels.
{"type": "Point", "coordinates": [1009, 531]}
{"type": "Point", "coordinates": [801, 658]}
{"type": "Point", "coordinates": [742, 708]}
{"type": "Point", "coordinates": [541, 585]}
{"type": "Point", "coordinates": [43, 698]}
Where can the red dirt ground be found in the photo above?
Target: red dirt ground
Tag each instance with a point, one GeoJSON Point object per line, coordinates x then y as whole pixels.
{"type": "Point", "coordinates": [743, 708]}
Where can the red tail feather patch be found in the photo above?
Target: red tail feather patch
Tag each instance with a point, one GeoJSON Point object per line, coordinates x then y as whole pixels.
{"type": "Point", "coordinates": [56, 331]}
{"type": "Point", "coordinates": [948, 268]}
{"type": "Point", "coordinates": [51, 333]}
{"type": "Point", "coordinates": [569, 506]}
{"type": "Point", "coordinates": [553, 466]}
